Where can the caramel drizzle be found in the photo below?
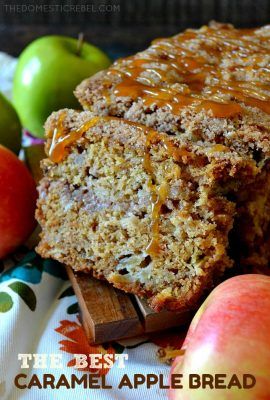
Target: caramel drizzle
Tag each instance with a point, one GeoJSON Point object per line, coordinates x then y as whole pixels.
{"type": "Point", "coordinates": [158, 198]}
{"type": "Point", "coordinates": [62, 140]}
{"type": "Point", "coordinates": [202, 84]}
{"type": "Point", "coordinates": [160, 97]}
{"type": "Point", "coordinates": [174, 60]}
{"type": "Point", "coordinates": [159, 195]}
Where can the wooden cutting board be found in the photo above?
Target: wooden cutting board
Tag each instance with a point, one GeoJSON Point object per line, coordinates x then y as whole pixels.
{"type": "Point", "coordinates": [110, 314]}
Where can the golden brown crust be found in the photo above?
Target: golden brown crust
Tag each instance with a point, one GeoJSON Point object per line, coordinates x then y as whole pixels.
{"type": "Point", "coordinates": [95, 208]}
{"type": "Point", "coordinates": [235, 69]}
{"type": "Point", "coordinates": [155, 201]}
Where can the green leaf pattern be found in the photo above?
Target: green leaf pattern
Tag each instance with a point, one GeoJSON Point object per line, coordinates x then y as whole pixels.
{"type": "Point", "coordinates": [73, 308]}
{"type": "Point", "coordinates": [25, 293]}
{"type": "Point", "coordinates": [6, 302]}
{"type": "Point", "coordinates": [30, 269]}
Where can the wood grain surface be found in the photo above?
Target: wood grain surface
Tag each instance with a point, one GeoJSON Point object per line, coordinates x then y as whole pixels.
{"type": "Point", "coordinates": [110, 314]}
{"type": "Point", "coordinates": [107, 313]}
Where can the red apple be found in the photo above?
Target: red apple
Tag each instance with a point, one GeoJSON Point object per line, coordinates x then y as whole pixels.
{"type": "Point", "coordinates": [17, 202]}
{"type": "Point", "coordinates": [230, 334]}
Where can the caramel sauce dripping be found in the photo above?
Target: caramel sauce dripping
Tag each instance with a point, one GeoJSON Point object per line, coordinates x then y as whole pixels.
{"type": "Point", "coordinates": [174, 101]}
{"type": "Point", "coordinates": [159, 195]}
{"type": "Point", "coordinates": [239, 94]}
{"type": "Point", "coordinates": [62, 140]}
{"type": "Point", "coordinates": [168, 61]}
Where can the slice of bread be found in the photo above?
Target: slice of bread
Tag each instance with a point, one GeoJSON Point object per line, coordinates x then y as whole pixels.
{"type": "Point", "coordinates": [218, 69]}
{"type": "Point", "coordinates": [138, 207]}
{"type": "Point", "coordinates": [207, 86]}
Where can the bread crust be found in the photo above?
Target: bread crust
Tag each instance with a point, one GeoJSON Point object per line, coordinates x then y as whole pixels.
{"type": "Point", "coordinates": [196, 206]}
{"type": "Point", "coordinates": [102, 206]}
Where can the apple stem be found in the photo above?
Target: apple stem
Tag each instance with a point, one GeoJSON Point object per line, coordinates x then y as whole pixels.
{"type": "Point", "coordinates": [80, 43]}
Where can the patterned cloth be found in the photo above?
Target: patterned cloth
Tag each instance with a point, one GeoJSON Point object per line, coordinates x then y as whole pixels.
{"type": "Point", "coordinates": [39, 314]}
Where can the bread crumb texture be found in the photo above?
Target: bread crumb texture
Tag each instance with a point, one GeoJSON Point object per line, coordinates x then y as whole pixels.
{"type": "Point", "coordinates": [160, 195]}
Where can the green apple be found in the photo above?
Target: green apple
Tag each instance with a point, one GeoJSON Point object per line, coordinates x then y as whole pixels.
{"type": "Point", "coordinates": [47, 73]}
{"type": "Point", "coordinates": [10, 126]}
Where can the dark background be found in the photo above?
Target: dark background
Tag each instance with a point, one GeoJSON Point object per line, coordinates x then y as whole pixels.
{"type": "Point", "coordinates": [120, 26]}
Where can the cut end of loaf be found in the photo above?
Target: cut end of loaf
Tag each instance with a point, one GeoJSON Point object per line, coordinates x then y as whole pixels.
{"type": "Point", "coordinates": [96, 212]}
{"type": "Point", "coordinates": [165, 183]}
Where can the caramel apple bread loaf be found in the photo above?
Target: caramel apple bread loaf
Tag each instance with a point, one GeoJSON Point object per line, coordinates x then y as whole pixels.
{"type": "Point", "coordinates": [163, 181]}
